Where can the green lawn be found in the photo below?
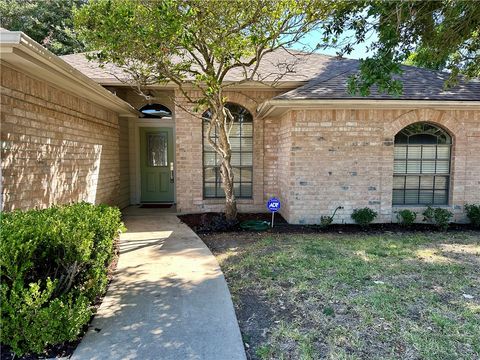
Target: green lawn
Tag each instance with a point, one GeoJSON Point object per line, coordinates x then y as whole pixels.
{"type": "Point", "coordinates": [334, 296]}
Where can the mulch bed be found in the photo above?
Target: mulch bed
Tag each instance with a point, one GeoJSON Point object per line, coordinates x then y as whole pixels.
{"type": "Point", "coordinates": [215, 222]}
{"type": "Point", "coordinates": [65, 349]}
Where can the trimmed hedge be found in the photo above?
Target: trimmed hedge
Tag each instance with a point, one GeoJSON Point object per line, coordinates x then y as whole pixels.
{"type": "Point", "coordinates": [54, 265]}
{"type": "Point", "coordinates": [473, 213]}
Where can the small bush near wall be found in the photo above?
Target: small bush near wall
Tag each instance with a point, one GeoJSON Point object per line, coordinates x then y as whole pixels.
{"type": "Point", "coordinates": [364, 216]}
{"type": "Point", "coordinates": [406, 217]}
{"type": "Point", "coordinates": [473, 213]}
{"type": "Point", "coordinates": [53, 266]}
{"type": "Point", "coordinates": [438, 216]}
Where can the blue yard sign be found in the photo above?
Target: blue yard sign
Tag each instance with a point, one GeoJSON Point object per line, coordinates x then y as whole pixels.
{"type": "Point", "coordinates": [273, 204]}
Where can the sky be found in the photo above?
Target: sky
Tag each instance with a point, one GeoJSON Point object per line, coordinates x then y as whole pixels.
{"type": "Point", "coordinates": [311, 40]}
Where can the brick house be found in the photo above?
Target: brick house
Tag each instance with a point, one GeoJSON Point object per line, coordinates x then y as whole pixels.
{"type": "Point", "coordinates": [72, 131]}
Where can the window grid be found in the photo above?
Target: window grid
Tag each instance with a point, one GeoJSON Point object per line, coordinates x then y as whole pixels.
{"type": "Point", "coordinates": [404, 190]}
{"type": "Point", "coordinates": [243, 188]}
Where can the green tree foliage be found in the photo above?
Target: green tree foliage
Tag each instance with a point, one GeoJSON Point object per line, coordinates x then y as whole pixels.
{"type": "Point", "coordinates": [48, 22]}
{"type": "Point", "coordinates": [196, 44]}
{"type": "Point", "coordinates": [436, 34]}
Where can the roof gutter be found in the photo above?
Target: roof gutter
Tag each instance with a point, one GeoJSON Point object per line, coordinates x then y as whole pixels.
{"type": "Point", "coordinates": [277, 107]}
{"type": "Point", "coordinates": [22, 52]}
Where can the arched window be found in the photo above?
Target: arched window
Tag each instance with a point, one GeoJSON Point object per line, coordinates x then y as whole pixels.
{"type": "Point", "coordinates": [241, 141]}
{"type": "Point", "coordinates": [422, 165]}
{"type": "Point", "coordinates": [155, 111]}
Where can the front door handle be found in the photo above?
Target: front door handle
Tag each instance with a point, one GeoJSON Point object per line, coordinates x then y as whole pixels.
{"type": "Point", "coordinates": [172, 177]}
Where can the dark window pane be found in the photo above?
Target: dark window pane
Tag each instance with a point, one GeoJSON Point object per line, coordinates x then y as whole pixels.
{"type": "Point", "coordinates": [246, 189]}
{"type": "Point", "coordinates": [157, 149]}
{"type": "Point", "coordinates": [209, 190]}
{"type": "Point", "coordinates": [440, 197]}
{"type": "Point", "coordinates": [397, 197]}
{"type": "Point", "coordinates": [426, 197]}
{"type": "Point", "coordinates": [411, 197]}
{"type": "Point", "coordinates": [401, 138]}
{"type": "Point", "coordinates": [422, 139]}
{"type": "Point", "coordinates": [444, 139]}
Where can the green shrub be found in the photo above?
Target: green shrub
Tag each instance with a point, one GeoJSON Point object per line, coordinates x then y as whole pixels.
{"type": "Point", "coordinates": [473, 213]}
{"type": "Point", "coordinates": [406, 217]}
{"type": "Point", "coordinates": [53, 266]}
{"type": "Point", "coordinates": [364, 216]}
{"type": "Point", "coordinates": [438, 216]}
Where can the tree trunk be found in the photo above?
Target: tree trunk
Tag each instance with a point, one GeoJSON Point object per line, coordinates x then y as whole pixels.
{"type": "Point", "coordinates": [226, 172]}
{"type": "Point", "coordinates": [223, 124]}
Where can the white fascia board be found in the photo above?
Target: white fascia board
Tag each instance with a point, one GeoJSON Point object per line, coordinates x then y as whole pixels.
{"type": "Point", "coordinates": [278, 107]}
{"type": "Point", "coordinates": [21, 52]}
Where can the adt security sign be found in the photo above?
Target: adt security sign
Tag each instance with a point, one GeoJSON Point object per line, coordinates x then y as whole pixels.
{"type": "Point", "coordinates": [273, 204]}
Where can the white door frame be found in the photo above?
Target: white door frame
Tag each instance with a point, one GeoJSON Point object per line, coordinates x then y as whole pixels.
{"type": "Point", "coordinates": [134, 153]}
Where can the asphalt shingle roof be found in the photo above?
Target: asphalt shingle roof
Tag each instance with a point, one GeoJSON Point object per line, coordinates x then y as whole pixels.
{"type": "Point", "coordinates": [418, 84]}
{"type": "Point", "coordinates": [324, 77]}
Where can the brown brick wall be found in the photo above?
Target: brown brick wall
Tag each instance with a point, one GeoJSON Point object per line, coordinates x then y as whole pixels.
{"type": "Point", "coordinates": [124, 163]}
{"type": "Point", "coordinates": [56, 147]}
{"type": "Point", "coordinates": [333, 157]}
{"type": "Point", "coordinates": [316, 160]}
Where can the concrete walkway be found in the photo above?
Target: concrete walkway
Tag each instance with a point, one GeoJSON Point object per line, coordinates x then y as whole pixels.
{"type": "Point", "coordinates": [168, 300]}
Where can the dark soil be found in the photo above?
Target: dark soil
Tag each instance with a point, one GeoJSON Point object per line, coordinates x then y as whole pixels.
{"type": "Point", "coordinates": [65, 349]}
{"type": "Point", "coordinates": [216, 222]}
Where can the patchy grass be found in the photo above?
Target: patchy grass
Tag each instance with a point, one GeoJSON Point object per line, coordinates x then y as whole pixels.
{"type": "Point", "coordinates": [334, 296]}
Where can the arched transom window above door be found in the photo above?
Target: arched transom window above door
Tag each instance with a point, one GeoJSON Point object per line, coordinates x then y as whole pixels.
{"type": "Point", "coordinates": [241, 142]}
{"type": "Point", "coordinates": [421, 174]}
{"type": "Point", "coordinates": [155, 111]}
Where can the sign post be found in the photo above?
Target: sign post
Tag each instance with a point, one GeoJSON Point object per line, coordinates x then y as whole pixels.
{"type": "Point", "coordinates": [273, 204]}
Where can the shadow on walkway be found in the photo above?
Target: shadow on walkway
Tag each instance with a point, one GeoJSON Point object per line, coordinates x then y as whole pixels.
{"type": "Point", "coordinates": [168, 299]}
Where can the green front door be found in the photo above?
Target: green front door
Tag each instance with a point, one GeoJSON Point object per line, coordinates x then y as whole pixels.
{"type": "Point", "coordinates": [156, 165]}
